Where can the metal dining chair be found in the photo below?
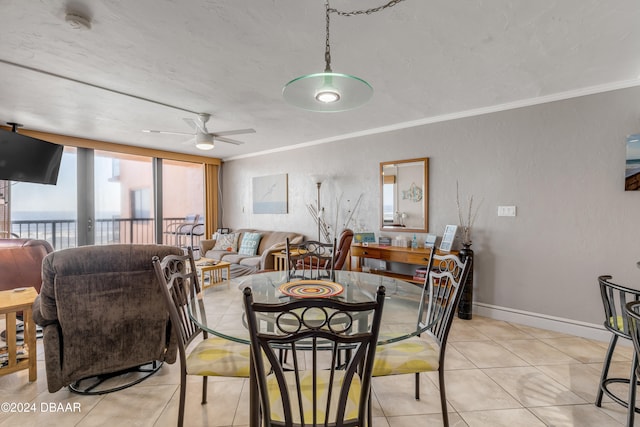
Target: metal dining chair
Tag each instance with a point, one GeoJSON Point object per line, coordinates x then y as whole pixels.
{"type": "Point", "coordinates": [441, 294]}
{"type": "Point", "coordinates": [315, 391]}
{"type": "Point", "coordinates": [615, 299]}
{"type": "Point", "coordinates": [311, 260]}
{"type": "Point", "coordinates": [185, 228]}
{"type": "Point", "coordinates": [632, 311]}
{"type": "Point", "coordinates": [178, 280]}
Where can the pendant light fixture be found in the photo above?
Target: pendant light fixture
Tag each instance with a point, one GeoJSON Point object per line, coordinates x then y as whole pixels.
{"type": "Point", "coordinates": [330, 92]}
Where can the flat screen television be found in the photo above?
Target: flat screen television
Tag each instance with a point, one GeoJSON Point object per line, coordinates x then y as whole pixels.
{"type": "Point", "coordinates": [27, 159]}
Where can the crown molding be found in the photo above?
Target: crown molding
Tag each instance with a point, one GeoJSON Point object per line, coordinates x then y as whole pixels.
{"type": "Point", "coordinates": [560, 96]}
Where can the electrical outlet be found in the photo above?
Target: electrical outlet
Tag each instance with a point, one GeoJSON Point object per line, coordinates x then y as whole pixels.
{"type": "Point", "coordinates": [506, 211]}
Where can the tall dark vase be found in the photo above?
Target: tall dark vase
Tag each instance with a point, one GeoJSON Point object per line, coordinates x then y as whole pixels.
{"type": "Point", "coordinates": [466, 301]}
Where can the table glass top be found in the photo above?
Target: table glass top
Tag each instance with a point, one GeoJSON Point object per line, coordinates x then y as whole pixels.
{"type": "Point", "coordinates": [220, 311]}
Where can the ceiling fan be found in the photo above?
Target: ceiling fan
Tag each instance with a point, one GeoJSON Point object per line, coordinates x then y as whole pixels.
{"type": "Point", "coordinates": [203, 138]}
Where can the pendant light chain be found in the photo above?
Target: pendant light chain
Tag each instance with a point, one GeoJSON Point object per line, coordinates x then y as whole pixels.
{"type": "Point", "coordinates": [327, 48]}
{"type": "Point", "coordinates": [330, 92]}
{"type": "Point", "coordinates": [367, 11]}
{"type": "Point", "coordinates": [329, 10]}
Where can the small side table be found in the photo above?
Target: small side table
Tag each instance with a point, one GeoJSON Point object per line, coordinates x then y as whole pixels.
{"type": "Point", "coordinates": [279, 261]}
{"type": "Point", "coordinates": [207, 266]}
{"type": "Point", "coordinates": [12, 302]}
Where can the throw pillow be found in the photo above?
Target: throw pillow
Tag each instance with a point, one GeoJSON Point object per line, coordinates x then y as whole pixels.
{"type": "Point", "coordinates": [227, 242]}
{"type": "Point", "coordinates": [250, 242]}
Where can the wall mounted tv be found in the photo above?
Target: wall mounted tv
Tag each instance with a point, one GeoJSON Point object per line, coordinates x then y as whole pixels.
{"type": "Point", "coordinates": [27, 159]}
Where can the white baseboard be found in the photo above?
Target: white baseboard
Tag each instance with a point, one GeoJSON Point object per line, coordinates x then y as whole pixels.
{"type": "Point", "coordinates": [543, 321]}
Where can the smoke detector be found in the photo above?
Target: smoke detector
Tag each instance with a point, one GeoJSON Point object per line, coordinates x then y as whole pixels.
{"type": "Point", "coordinates": [77, 22]}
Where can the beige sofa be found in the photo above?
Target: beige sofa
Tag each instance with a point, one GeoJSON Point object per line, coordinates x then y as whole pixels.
{"type": "Point", "coordinates": [270, 242]}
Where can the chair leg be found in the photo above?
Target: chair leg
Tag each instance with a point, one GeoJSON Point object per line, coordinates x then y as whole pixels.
{"type": "Point", "coordinates": [632, 390]}
{"type": "Point", "coordinates": [283, 356]}
{"type": "Point", "coordinates": [605, 368]}
{"type": "Point", "coordinates": [204, 390]}
{"type": "Point", "coordinates": [417, 386]}
{"type": "Point", "coordinates": [443, 397]}
{"type": "Point", "coordinates": [183, 394]}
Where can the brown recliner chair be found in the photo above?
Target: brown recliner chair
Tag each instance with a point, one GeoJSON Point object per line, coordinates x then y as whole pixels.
{"type": "Point", "coordinates": [342, 248]}
{"type": "Point", "coordinates": [21, 263]}
{"type": "Point", "coordinates": [21, 267]}
{"type": "Point", "coordinates": [102, 313]}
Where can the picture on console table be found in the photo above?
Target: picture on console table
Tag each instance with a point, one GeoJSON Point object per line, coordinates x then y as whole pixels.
{"type": "Point", "coordinates": [270, 194]}
{"type": "Point", "coordinates": [448, 237]}
{"type": "Point", "coordinates": [364, 238]}
{"type": "Point", "coordinates": [430, 241]}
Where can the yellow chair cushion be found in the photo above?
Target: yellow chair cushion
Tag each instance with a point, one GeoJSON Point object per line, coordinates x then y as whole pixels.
{"type": "Point", "coordinates": [219, 357]}
{"type": "Point", "coordinates": [617, 322]}
{"type": "Point", "coordinates": [407, 357]}
{"type": "Point", "coordinates": [306, 378]}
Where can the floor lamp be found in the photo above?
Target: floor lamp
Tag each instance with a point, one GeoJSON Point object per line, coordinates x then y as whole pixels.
{"type": "Point", "coordinates": [319, 210]}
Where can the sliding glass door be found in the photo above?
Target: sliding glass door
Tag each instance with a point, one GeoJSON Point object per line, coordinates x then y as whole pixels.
{"type": "Point", "coordinates": [104, 197]}
{"type": "Point", "coordinates": [47, 212]}
{"type": "Point", "coordinates": [182, 203]}
{"type": "Point", "coordinates": [123, 198]}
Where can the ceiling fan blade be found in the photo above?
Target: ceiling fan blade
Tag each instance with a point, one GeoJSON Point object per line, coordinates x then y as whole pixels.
{"type": "Point", "coordinates": [165, 132]}
{"type": "Point", "coordinates": [227, 140]}
{"type": "Point", "coordinates": [192, 123]}
{"type": "Point", "coordinates": [198, 125]}
{"type": "Point", "coordinates": [233, 132]}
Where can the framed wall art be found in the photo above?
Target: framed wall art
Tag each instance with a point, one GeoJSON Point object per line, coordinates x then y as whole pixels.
{"type": "Point", "coordinates": [270, 194]}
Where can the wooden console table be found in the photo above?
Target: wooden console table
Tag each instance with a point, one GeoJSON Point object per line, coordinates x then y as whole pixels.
{"type": "Point", "coordinates": [419, 256]}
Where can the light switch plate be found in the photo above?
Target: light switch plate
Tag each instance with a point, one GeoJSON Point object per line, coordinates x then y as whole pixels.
{"type": "Point", "coordinates": [506, 211]}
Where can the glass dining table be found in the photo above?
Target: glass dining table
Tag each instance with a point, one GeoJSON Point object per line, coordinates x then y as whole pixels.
{"type": "Point", "coordinates": [219, 309]}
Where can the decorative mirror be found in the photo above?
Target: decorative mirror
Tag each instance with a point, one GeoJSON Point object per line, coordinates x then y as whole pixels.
{"type": "Point", "coordinates": [404, 191]}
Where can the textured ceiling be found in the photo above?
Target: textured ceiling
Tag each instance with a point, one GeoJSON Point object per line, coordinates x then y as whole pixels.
{"type": "Point", "coordinates": [424, 59]}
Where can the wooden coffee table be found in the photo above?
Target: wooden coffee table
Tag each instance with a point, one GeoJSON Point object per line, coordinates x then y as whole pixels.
{"type": "Point", "coordinates": [214, 269]}
{"type": "Point", "coordinates": [19, 357]}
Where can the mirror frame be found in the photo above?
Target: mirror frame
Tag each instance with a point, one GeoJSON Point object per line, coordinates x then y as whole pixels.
{"type": "Point", "coordinates": [425, 196]}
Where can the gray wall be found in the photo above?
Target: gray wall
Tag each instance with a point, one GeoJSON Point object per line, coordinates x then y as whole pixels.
{"type": "Point", "coordinates": [561, 163]}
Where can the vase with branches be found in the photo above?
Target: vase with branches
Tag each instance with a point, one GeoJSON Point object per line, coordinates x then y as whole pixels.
{"type": "Point", "coordinates": [467, 216]}
{"type": "Point", "coordinates": [328, 230]}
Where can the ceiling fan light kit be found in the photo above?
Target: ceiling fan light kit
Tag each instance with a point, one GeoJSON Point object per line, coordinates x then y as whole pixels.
{"type": "Point", "coordinates": [330, 92]}
{"type": "Point", "coordinates": [204, 140]}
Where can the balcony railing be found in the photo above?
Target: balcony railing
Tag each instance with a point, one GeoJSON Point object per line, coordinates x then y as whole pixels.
{"type": "Point", "coordinates": [62, 233]}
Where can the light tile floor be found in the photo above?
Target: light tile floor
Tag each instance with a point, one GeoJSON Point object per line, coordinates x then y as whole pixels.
{"type": "Point", "coordinates": [497, 374]}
